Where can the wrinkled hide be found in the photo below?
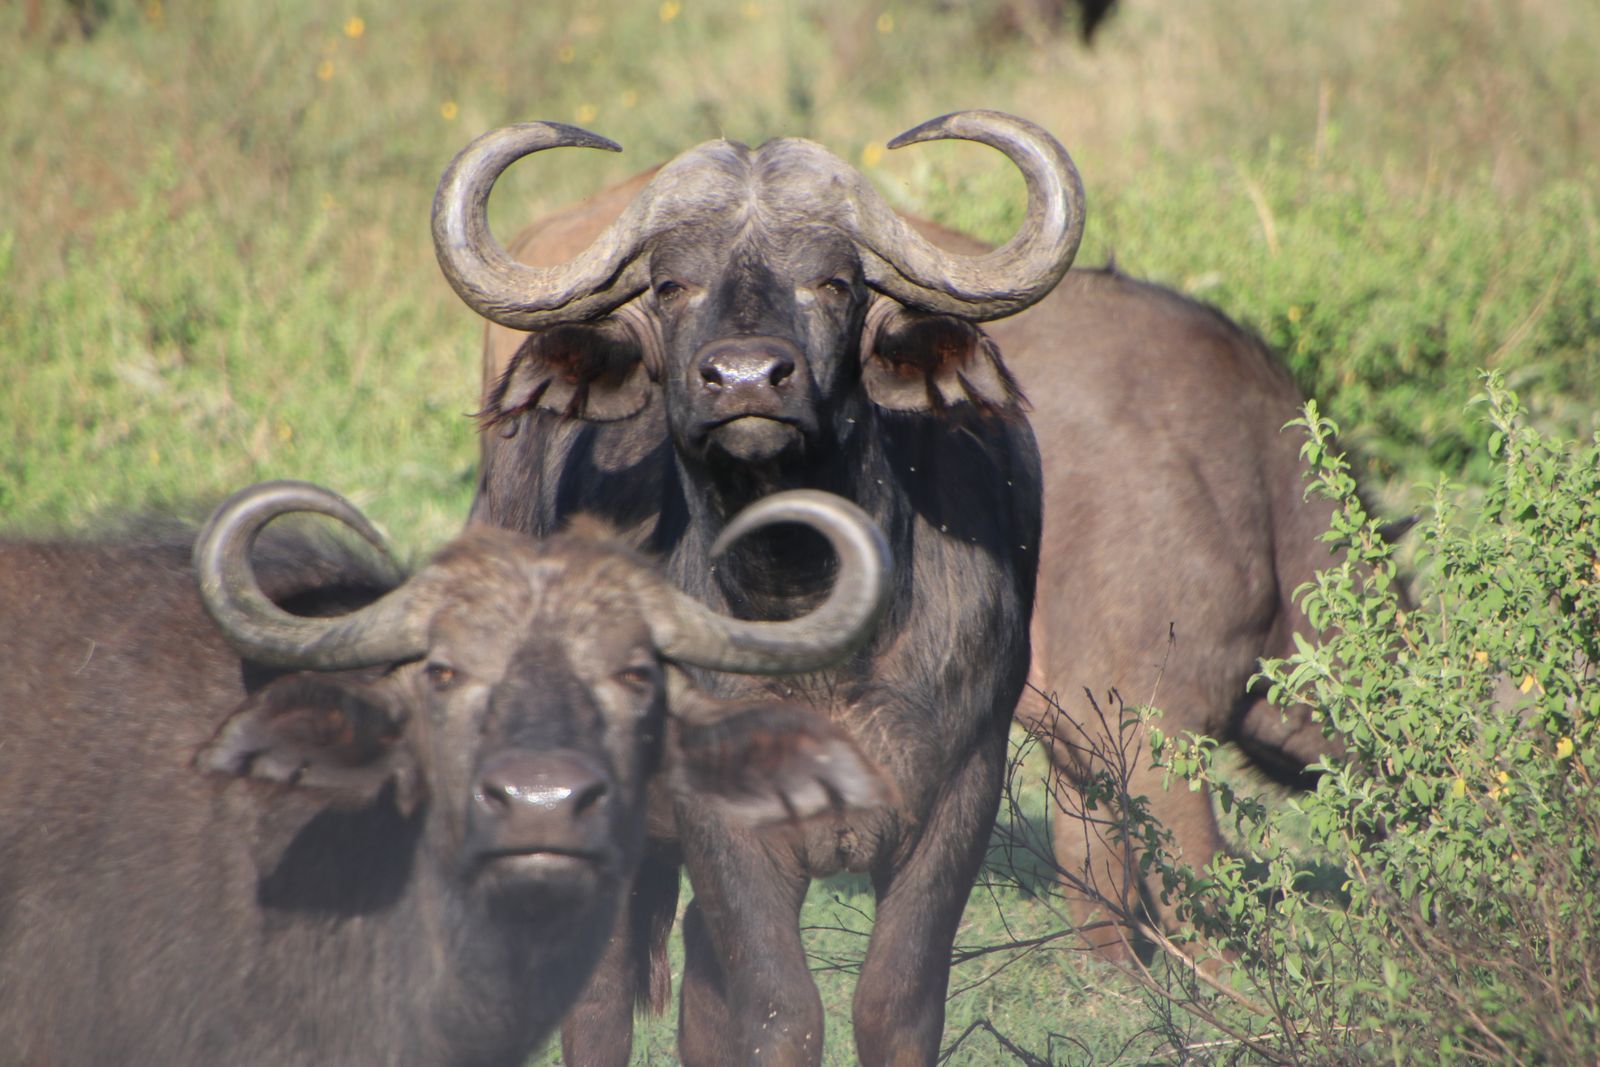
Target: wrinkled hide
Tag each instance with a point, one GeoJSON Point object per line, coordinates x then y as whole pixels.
{"type": "Point", "coordinates": [763, 318]}
{"type": "Point", "coordinates": [1173, 505]}
{"type": "Point", "coordinates": [209, 860]}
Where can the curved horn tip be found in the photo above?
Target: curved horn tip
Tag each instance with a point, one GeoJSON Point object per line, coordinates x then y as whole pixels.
{"type": "Point", "coordinates": [515, 294]}
{"type": "Point", "coordinates": [558, 135]}
{"type": "Point", "coordinates": [957, 125]}
{"type": "Point", "coordinates": [260, 629]}
{"type": "Point", "coordinates": [693, 634]}
{"type": "Point", "coordinates": [578, 137]}
{"type": "Point", "coordinates": [932, 130]}
{"type": "Point", "coordinates": [284, 496]}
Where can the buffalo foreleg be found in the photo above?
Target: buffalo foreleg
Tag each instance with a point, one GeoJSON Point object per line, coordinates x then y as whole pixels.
{"type": "Point", "coordinates": [747, 994]}
{"type": "Point", "coordinates": [899, 1000]}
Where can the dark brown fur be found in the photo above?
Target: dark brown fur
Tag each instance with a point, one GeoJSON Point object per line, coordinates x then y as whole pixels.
{"type": "Point", "coordinates": [915, 419]}
{"type": "Point", "coordinates": [203, 861]}
{"type": "Point", "coordinates": [1174, 504]}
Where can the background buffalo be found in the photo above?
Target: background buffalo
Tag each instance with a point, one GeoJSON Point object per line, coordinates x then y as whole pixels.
{"type": "Point", "coordinates": [755, 320]}
{"type": "Point", "coordinates": [1176, 529]}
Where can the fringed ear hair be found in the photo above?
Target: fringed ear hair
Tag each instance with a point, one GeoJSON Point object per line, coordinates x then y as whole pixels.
{"type": "Point", "coordinates": [599, 372]}
{"type": "Point", "coordinates": [311, 731]}
{"type": "Point", "coordinates": [918, 361]}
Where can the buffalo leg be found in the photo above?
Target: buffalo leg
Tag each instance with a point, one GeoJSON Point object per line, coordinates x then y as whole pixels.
{"type": "Point", "coordinates": [899, 1000]}
{"type": "Point", "coordinates": [1100, 867]}
{"type": "Point", "coordinates": [748, 997]}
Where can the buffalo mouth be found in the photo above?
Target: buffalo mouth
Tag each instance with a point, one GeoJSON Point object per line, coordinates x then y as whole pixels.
{"type": "Point", "coordinates": [752, 438]}
{"type": "Point", "coordinates": [546, 870]}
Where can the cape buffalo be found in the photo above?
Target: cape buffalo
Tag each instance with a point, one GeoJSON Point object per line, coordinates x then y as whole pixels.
{"type": "Point", "coordinates": [756, 319]}
{"type": "Point", "coordinates": [396, 833]}
{"type": "Point", "coordinates": [1174, 508]}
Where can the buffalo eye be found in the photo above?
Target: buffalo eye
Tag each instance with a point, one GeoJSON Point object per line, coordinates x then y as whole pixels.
{"type": "Point", "coordinates": [440, 675]}
{"type": "Point", "coordinates": [669, 292]}
{"type": "Point", "coordinates": [641, 678]}
{"type": "Point", "coordinates": [834, 289]}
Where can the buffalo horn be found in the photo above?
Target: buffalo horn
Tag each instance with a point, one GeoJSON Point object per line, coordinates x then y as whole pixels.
{"type": "Point", "coordinates": [385, 631]}
{"type": "Point", "coordinates": [906, 266]}
{"type": "Point", "coordinates": [687, 631]}
{"type": "Point", "coordinates": [515, 294]}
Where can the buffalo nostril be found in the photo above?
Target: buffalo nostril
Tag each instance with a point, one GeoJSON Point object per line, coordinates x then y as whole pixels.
{"type": "Point", "coordinates": [746, 363]}
{"type": "Point", "coordinates": [496, 797]}
{"type": "Point", "coordinates": [782, 367]}
{"type": "Point", "coordinates": [521, 783]}
{"type": "Point", "coordinates": [584, 799]}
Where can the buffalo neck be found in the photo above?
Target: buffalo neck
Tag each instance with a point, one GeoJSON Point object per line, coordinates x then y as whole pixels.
{"type": "Point", "coordinates": [783, 571]}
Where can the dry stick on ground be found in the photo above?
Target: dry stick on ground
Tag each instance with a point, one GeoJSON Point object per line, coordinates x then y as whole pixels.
{"type": "Point", "coordinates": [1022, 1055]}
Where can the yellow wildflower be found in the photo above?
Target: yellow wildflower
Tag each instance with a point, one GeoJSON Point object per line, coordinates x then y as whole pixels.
{"type": "Point", "coordinates": [886, 22]}
{"type": "Point", "coordinates": [1481, 656]}
{"type": "Point", "coordinates": [1294, 313]}
{"type": "Point", "coordinates": [670, 10]}
{"type": "Point", "coordinates": [872, 154]}
{"type": "Point", "coordinates": [1528, 682]}
{"type": "Point", "coordinates": [448, 111]}
{"type": "Point", "coordinates": [750, 10]}
{"type": "Point", "coordinates": [325, 70]}
{"type": "Point", "coordinates": [585, 113]}
{"type": "Point", "coordinates": [1564, 748]}
{"type": "Point", "coordinates": [355, 26]}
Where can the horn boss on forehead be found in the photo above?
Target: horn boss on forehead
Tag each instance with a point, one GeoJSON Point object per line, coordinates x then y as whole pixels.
{"type": "Point", "coordinates": [898, 261]}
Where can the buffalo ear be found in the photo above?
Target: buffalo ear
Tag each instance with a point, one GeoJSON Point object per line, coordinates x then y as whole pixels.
{"type": "Point", "coordinates": [315, 731]}
{"type": "Point", "coordinates": [920, 362]}
{"type": "Point", "coordinates": [767, 761]}
{"type": "Point", "coordinates": [591, 371]}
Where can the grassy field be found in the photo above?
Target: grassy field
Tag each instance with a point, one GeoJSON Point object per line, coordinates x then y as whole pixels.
{"type": "Point", "coordinates": [215, 264]}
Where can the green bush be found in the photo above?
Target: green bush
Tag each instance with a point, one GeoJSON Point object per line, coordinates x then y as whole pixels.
{"type": "Point", "coordinates": [1465, 818]}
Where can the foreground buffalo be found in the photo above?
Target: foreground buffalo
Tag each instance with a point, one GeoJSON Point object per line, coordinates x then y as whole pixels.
{"type": "Point", "coordinates": [758, 319]}
{"type": "Point", "coordinates": [397, 834]}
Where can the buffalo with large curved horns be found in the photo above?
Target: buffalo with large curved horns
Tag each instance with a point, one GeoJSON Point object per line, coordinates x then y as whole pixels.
{"type": "Point", "coordinates": [1176, 531]}
{"type": "Point", "coordinates": [359, 819]}
{"type": "Point", "coordinates": [752, 320]}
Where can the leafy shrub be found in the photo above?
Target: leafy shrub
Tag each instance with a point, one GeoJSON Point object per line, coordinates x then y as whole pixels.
{"type": "Point", "coordinates": [1466, 818]}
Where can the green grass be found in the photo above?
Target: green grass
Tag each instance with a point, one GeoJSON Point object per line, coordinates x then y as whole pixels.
{"type": "Point", "coordinates": [215, 264]}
